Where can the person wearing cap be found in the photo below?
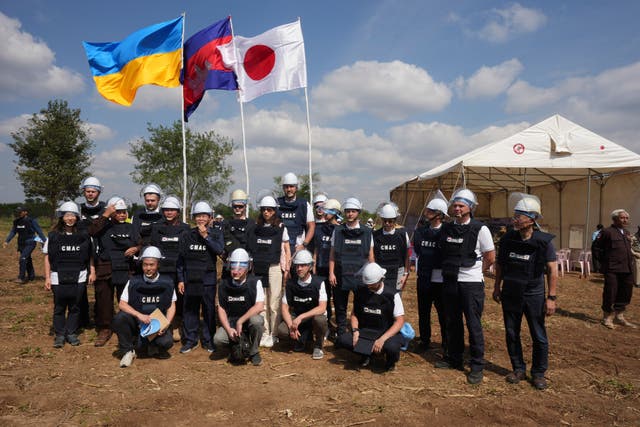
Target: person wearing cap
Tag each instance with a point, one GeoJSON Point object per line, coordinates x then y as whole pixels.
{"type": "Point", "coordinates": [322, 250]}
{"type": "Point", "coordinates": [145, 217]}
{"type": "Point", "coordinates": [614, 243]}
{"type": "Point", "coordinates": [68, 267]}
{"type": "Point", "coordinates": [240, 302]}
{"type": "Point", "coordinates": [237, 228]}
{"type": "Point", "coordinates": [166, 235]}
{"type": "Point", "coordinates": [304, 305]}
{"type": "Point", "coordinates": [197, 277]}
{"type": "Point", "coordinates": [429, 268]}
{"type": "Point", "coordinates": [391, 249]}
{"type": "Point", "coordinates": [143, 294]}
{"type": "Point", "coordinates": [117, 244]}
{"type": "Point", "coordinates": [525, 256]}
{"type": "Point", "coordinates": [376, 320]}
{"type": "Point", "coordinates": [467, 253]}
{"type": "Point", "coordinates": [268, 244]}
{"type": "Point", "coordinates": [26, 228]}
{"type": "Point", "coordinates": [296, 214]}
{"type": "Point", "coordinates": [351, 248]}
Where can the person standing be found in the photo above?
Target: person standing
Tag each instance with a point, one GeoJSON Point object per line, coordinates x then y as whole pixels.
{"type": "Point", "coordinates": [68, 267]}
{"type": "Point", "coordinates": [391, 249]}
{"type": "Point", "coordinates": [526, 255]}
{"type": "Point", "coordinates": [145, 217]}
{"type": "Point", "coordinates": [238, 227]}
{"type": "Point", "coordinates": [296, 214]}
{"type": "Point", "coordinates": [26, 228]}
{"type": "Point", "coordinates": [614, 243]}
{"type": "Point", "coordinates": [467, 252]}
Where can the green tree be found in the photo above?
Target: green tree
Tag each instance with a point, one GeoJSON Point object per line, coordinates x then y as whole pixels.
{"type": "Point", "coordinates": [159, 160]}
{"type": "Point", "coordinates": [53, 152]}
{"type": "Point", "coordinates": [303, 185]}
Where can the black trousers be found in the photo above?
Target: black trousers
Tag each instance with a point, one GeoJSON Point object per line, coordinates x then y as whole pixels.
{"type": "Point", "coordinates": [429, 295]}
{"type": "Point", "coordinates": [390, 349]}
{"type": "Point", "coordinates": [66, 308]}
{"type": "Point", "coordinates": [617, 291]}
{"type": "Point", "coordinates": [127, 328]}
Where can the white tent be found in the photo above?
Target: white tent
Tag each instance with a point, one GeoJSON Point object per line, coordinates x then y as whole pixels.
{"type": "Point", "coordinates": [553, 156]}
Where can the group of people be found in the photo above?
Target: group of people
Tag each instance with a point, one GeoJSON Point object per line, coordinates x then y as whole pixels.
{"type": "Point", "coordinates": [283, 270]}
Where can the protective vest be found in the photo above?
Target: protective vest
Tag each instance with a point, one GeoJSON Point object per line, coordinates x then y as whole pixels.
{"type": "Point", "coordinates": [265, 246]}
{"type": "Point", "coordinates": [199, 260]}
{"type": "Point", "coordinates": [372, 310]}
{"type": "Point", "coordinates": [351, 249]}
{"type": "Point", "coordinates": [145, 296]}
{"type": "Point", "coordinates": [237, 300]}
{"type": "Point", "coordinates": [390, 250]}
{"type": "Point", "coordinates": [143, 221]}
{"type": "Point", "coordinates": [89, 213]}
{"type": "Point", "coordinates": [294, 217]}
{"type": "Point", "coordinates": [167, 237]}
{"type": "Point", "coordinates": [24, 228]}
{"type": "Point", "coordinates": [523, 263]}
{"type": "Point", "coordinates": [68, 255]}
{"type": "Point", "coordinates": [322, 239]}
{"type": "Point", "coordinates": [115, 239]}
{"type": "Point", "coordinates": [303, 298]}
{"type": "Point", "coordinates": [426, 242]}
{"type": "Point", "coordinates": [458, 243]}
{"type": "Point", "coordinates": [236, 233]}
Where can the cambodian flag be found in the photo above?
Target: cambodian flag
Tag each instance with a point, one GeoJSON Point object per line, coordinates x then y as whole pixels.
{"type": "Point", "coordinates": [203, 66]}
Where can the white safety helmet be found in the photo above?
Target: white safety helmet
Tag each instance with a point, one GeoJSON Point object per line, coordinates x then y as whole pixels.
{"type": "Point", "coordinates": [151, 252]}
{"type": "Point", "coordinates": [352, 203]}
{"type": "Point", "coordinates": [525, 204]}
{"type": "Point", "coordinates": [201, 207]}
{"type": "Point", "coordinates": [171, 202]}
{"type": "Point", "coordinates": [438, 205]}
{"type": "Point", "coordinates": [118, 202]}
{"type": "Point", "coordinates": [320, 197]}
{"type": "Point", "coordinates": [67, 207]}
{"type": "Point", "coordinates": [151, 189]}
{"type": "Point", "coordinates": [290, 178]}
{"type": "Point", "coordinates": [372, 273]}
{"type": "Point", "coordinates": [465, 196]}
{"type": "Point", "coordinates": [268, 202]}
{"type": "Point", "coordinates": [388, 211]}
{"type": "Point", "coordinates": [239, 196]}
{"type": "Point", "coordinates": [303, 257]}
{"type": "Point", "coordinates": [332, 206]}
{"type": "Point", "coordinates": [91, 182]}
{"type": "Point", "coordinates": [239, 255]}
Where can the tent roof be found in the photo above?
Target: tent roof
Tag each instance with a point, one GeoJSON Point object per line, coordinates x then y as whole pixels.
{"type": "Point", "coordinates": [551, 151]}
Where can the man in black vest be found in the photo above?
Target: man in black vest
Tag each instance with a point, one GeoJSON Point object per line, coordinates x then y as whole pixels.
{"type": "Point", "coordinates": [296, 214]}
{"type": "Point", "coordinates": [467, 252]}
{"type": "Point", "coordinates": [376, 320]}
{"type": "Point", "coordinates": [525, 256]}
{"type": "Point", "coordinates": [391, 249]}
{"type": "Point", "coordinates": [304, 305]}
{"type": "Point", "coordinates": [199, 250]}
{"type": "Point", "coordinates": [145, 217]}
{"type": "Point", "coordinates": [240, 302]}
{"type": "Point", "coordinates": [25, 227]}
{"type": "Point", "coordinates": [237, 227]}
{"type": "Point", "coordinates": [142, 295]}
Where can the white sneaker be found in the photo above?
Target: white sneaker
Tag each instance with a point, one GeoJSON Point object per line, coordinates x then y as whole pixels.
{"type": "Point", "coordinates": [266, 341]}
{"type": "Point", "coordinates": [127, 359]}
{"type": "Point", "coordinates": [317, 353]}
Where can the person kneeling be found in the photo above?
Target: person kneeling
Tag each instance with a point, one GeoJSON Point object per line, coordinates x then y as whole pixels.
{"type": "Point", "coordinates": [304, 307]}
{"type": "Point", "coordinates": [142, 295]}
{"type": "Point", "coordinates": [376, 320]}
{"type": "Point", "coordinates": [240, 302]}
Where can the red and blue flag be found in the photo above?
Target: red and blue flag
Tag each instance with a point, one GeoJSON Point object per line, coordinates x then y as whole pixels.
{"type": "Point", "coordinates": [203, 66]}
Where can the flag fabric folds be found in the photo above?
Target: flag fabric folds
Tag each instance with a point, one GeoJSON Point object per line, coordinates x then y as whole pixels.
{"type": "Point", "coordinates": [203, 66]}
{"type": "Point", "coordinates": [151, 55]}
{"type": "Point", "coordinates": [273, 61]}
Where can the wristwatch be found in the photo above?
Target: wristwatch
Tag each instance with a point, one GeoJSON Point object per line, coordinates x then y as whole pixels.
{"type": "Point", "coordinates": [552, 297]}
{"type": "Point", "coordinates": [356, 330]}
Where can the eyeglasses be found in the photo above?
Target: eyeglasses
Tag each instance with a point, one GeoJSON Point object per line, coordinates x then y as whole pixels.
{"type": "Point", "coordinates": [267, 209]}
{"type": "Point", "coordinates": [238, 207]}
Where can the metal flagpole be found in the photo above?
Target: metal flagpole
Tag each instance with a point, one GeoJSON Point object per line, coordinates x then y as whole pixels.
{"type": "Point", "coordinates": [306, 98]}
{"type": "Point", "coordinates": [184, 139]}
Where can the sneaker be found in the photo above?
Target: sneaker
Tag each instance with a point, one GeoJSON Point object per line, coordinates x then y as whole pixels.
{"type": "Point", "coordinates": [445, 364]}
{"type": "Point", "coordinates": [20, 281]}
{"type": "Point", "coordinates": [266, 341]}
{"type": "Point", "coordinates": [127, 359]}
{"type": "Point", "coordinates": [162, 354]}
{"type": "Point", "coordinates": [73, 340]}
{"type": "Point", "coordinates": [515, 377]}
{"type": "Point", "coordinates": [298, 347]}
{"type": "Point", "coordinates": [209, 347]}
{"type": "Point", "coordinates": [188, 347]}
{"type": "Point", "coordinates": [103, 336]}
{"type": "Point", "coordinates": [256, 360]}
{"type": "Point", "coordinates": [365, 361]}
{"type": "Point", "coordinates": [58, 342]}
{"type": "Point", "coordinates": [540, 383]}
{"type": "Point", "coordinates": [317, 354]}
{"type": "Point", "coordinates": [474, 377]}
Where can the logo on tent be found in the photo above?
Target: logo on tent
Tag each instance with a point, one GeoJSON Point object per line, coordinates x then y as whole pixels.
{"type": "Point", "coordinates": [518, 148]}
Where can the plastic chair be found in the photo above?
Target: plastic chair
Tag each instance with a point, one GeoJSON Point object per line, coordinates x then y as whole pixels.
{"type": "Point", "coordinates": [567, 258]}
{"type": "Point", "coordinates": [584, 260]}
{"type": "Point", "coordinates": [561, 260]}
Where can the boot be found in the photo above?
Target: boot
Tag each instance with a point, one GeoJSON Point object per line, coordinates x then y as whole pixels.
{"type": "Point", "coordinates": [622, 321]}
{"type": "Point", "coordinates": [607, 320]}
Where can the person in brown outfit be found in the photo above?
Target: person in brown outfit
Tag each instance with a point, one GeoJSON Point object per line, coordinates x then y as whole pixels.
{"type": "Point", "coordinates": [614, 243]}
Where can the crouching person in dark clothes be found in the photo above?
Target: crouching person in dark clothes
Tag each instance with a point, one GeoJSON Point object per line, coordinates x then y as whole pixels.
{"type": "Point", "coordinates": [141, 296]}
{"type": "Point", "coordinates": [304, 307]}
{"type": "Point", "coordinates": [240, 302]}
{"type": "Point", "coordinates": [376, 320]}
{"type": "Point", "coordinates": [526, 254]}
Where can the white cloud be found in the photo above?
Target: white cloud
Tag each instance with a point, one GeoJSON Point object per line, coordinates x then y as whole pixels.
{"type": "Point", "coordinates": [488, 82]}
{"type": "Point", "coordinates": [151, 97]}
{"type": "Point", "coordinates": [12, 124]}
{"type": "Point", "coordinates": [505, 24]}
{"type": "Point", "coordinates": [28, 66]}
{"type": "Point", "coordinates": [99, 132]}
{"type": "Point", "coordinates": [388, 90]}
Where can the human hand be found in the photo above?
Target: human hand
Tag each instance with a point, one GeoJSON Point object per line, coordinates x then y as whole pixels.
{"type": "Point", "coordinates": [496, 295]}
{"type": "Point", "coordinates": [356, 335]}
{"type": "Point", "coordinates": [332, 280]}
{"type": "Point", "coordinates": [181, 288]}
{"type": "Point", "coordinates": [550, 307]}
{"type": "Point", "coordinates": [131, 251]}
{"type": "Point", "coordinates": [378, 344]}
{"type": "Point", "coordinates": [144, 318]}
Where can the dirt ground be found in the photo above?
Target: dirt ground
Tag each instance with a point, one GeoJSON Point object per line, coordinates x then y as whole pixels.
{"type": "Point", "coordinates": [594, 375]}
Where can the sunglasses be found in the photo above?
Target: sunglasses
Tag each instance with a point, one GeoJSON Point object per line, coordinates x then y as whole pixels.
{"type": "Point", "coordinates": [238, 206]}
{"type": "Point", "coordinates": [236, 265]}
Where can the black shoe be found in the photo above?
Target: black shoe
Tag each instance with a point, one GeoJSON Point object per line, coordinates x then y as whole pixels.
{"type": "Point", "coordinates": [188, 347]}
{"type": "Point", "coordinates": [256, 360]}
{"type": "Point", "coordinates": [365, 361]}
{"type": "Point", "coordinates": [445, 364]}
{"type": "Point", "coordinates": [298, 347]}
{"type": "Point", "coordinates": [515, 377]}
{"type": "Point", "coordinates": [73, 340]}
{"type": "Point", "coordinates": [390, 367]}
{"type": "Point", "coordinates": [540, 383]}
{"type": "Point", "coordinates": [474, 377]}
{"type": "Point", "coordinates": [162, 354]}
{"type": "Point", "coordinates": [58, 342]}
{"type": "Point", "coordinates": [209, 347]}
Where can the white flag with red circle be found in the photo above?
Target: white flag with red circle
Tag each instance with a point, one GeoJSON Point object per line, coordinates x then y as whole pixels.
{"type": "Point", "coordinates": [273, 61]}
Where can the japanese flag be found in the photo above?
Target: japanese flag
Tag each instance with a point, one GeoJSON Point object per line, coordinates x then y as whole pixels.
{"type": "Point", "coordinates": [273, 61]}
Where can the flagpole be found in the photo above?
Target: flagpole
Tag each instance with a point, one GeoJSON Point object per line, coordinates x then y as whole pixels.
{"type": "Point", "coordinates": [184, 137]}
{"type": "Point", "coordinates": [244, 138]}
{"type": "Point", "coordinates": [306, 99]}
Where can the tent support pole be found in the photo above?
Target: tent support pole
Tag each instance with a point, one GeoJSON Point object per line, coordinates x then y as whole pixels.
{"type": "Point", "coordinates": [560, 186]}
{"type": "Point", "coordinates": [586, 223]}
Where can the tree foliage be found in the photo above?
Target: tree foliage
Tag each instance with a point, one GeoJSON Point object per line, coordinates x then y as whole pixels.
{"type": "Point", "coordinates": [159, 160]}
{"type": "Point", "coordinates": [53, 152]}
{"type": "Point", "coordinates": [303, 185]}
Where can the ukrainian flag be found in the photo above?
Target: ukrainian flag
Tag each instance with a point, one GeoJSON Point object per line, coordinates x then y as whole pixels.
{"type": "Point", "coordinates": [152, 55]}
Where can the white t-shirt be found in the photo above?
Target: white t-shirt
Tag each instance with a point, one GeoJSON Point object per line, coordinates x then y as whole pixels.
{"type": "Point", "coordinates": [82, 277]}
{"type": "Point", "coordinates": [398, 308]}
{"type": "Point", "coordinates": [305, 283]}
{"type": "Point", "coordinates": [483, 244]}
{"type": "Point", "coordinates": [125, 293]}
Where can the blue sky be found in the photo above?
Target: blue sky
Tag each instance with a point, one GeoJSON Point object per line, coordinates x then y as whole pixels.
{"type": "Point", "coordinates": [395, 87]}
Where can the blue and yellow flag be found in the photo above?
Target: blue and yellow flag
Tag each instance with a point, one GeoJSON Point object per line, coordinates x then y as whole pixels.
{"type": "Point", "coordinates": [152, 55]}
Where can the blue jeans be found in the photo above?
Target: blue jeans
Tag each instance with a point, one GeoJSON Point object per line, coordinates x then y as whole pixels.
{"type": "Point", "coordinates": [191, 316]}
{"type": "Point", "coordinates": [26, 263]}
{"type": "Point", "coordinates": [533, 309]}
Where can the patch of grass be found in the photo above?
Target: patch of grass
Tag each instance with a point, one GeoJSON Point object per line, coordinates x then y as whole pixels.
{"type": "Point", "coordinates": [614, 386]}
{"type": "Point", "coordinates": [31, 352]}
{"type": "Point", "coordinates": [27, 299]}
